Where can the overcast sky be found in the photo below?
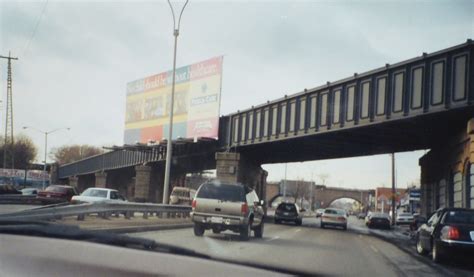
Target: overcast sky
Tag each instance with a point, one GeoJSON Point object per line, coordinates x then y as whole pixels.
{"type": "Point", "coordinates": [73, 71]}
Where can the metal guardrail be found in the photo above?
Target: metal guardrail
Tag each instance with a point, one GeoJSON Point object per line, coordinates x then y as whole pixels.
{"type": "Point", "coordinates": [19, 199]}
{"type": "Point", "coordinates": [103, 210]}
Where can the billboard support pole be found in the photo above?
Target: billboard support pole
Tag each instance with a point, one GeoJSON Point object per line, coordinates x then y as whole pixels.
{"type": "Point", "coordinates": [169, 144]}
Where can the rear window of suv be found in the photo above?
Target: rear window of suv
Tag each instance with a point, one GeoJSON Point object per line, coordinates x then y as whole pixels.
{"type": "Point", "coordinates": [460, 217]}
{"type": "Point", "coordinates": [224, 192]}
{"type": "Point", "coordinates": [287, 207]}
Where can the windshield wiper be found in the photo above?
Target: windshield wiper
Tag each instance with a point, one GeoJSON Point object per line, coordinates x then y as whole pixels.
{"type": "Point", "coordinates": [61, 231]}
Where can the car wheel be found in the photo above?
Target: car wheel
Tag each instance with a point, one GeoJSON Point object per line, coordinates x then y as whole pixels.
{"type": "Point", "coordinates": [322, 225]}
{"type": "Point", "coordinates": [344, 227]}
{"type": "Point", "coordinates": [216, 231]}
{"type": "Point", "coordinates": [298, 222]}
{"type": "Point", "coordinates": [258, 232]}
{"type": "Point", "coordinates": [419, 248]}
{"type": "Point", "coordinates": [437, 253]}
{"type": "Point", "coordinates": [245, 231]}
{"type": "Point", "coordinates": [198, 230]}
{"type": "Point", "coordinates": [277, 221]}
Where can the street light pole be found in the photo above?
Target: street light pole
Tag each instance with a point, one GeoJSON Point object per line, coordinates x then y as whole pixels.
{"type": "Point", "coordinates": [46, 133]}
{"type": "Point", "coordinates": [169, 144]}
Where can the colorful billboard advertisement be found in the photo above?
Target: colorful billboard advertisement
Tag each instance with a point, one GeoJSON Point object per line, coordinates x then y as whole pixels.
{"type": "Point", "coordinates": [196, 103]}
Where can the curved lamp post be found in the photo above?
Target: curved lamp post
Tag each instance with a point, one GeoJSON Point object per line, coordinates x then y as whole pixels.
{"type": "Point", "coordinates": [46, 133]}
{"type": "Point", "coordinates": [169, 144]}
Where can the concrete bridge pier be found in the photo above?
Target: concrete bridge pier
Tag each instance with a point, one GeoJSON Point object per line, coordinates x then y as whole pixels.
{"type": "Point", "coordinates": [234, 167]}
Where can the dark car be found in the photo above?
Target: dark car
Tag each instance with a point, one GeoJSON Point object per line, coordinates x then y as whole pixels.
{"type": "Point", "coordinates": [378, 220]}
{"type": "Point", "coordinates": [448, 231]}
{"type": "Point", "coordinates": [288, 212]}
{"type": "Point", "coordinates": [57, 194]}
{"type": "Point", "coordinates": [8, 189]}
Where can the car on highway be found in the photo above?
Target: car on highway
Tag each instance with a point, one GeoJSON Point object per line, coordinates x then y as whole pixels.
{"type": "Point", "coordinates": [182, 196]}
{"type": "Point", "coordinates": [223, 206]}
{"type": "Point", "coordinates": [361, 215]}
{"type": "Point", "coordinates": [29, 191]}
{"type": "Point", "coordinates": [56, 194]}
{"type": "Point", "coordinates": [404, 219]}
{"type": "Point", "coordinates": [334, 217]}
{"type": "Point", "coordinates": [289, 212]}
{"type": "Point", "coordinates": [448, 232]}
{"type": "Point", "coordinates": [379, 220]}
{"type": "Point", "coordinates": [96, 195]}
{"type": "Point", "coordinates": [319, 212]}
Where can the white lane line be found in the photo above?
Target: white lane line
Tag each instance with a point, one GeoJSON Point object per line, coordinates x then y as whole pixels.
{"type": "Point", "coordinates": [297, 230]}
{"type": "Point", "coordinates": [274, 238]}
{"type": "Point", "coordinates": [373, 248]}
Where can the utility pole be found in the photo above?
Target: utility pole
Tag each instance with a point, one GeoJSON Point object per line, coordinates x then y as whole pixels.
{"type": "Point", "coordinates": [8, 146]}
{"type": "Point", "coordinates": [393, 188]}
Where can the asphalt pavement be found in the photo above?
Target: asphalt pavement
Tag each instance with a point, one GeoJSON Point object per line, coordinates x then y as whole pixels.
{"type": "Point", "coordinates": [308, 248]}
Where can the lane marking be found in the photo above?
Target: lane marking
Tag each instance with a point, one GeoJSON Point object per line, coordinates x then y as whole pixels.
{"type": "Point", "coordinates": [274, 238]}
{"type": "Point", "coordinates": [297, 230]}
{"type": "Point", "coordinates": [374, 249]}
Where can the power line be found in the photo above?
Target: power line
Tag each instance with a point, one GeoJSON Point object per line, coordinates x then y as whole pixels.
{"type": "Point", "coordinates": [27, 44]}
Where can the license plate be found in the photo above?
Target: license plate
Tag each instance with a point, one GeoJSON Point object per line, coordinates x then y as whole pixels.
{"type": "Point", "coordinates": [216, 219]}
{"type": "Point", "coordinates": [286, 213]}
{"type": "Point", "coordinates": [472, 235]}
{"type": "Point", "coordinates": [48, 195]}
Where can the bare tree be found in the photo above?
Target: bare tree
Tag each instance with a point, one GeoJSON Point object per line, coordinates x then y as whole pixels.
{"type": "Point", "coordinates": [71, 153]}
{"type": "Point", "coordinates": [24, 151]}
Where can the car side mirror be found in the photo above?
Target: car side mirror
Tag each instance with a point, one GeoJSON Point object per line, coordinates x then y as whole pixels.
{"type": "Point", "coordinates": [302, 210]}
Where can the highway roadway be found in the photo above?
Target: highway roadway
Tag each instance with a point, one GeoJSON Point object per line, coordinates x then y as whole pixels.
{"type": "Point", "coordinates": [308, 248]}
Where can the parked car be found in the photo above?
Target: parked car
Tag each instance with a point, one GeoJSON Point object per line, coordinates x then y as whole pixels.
{"type": "Point", "coordinates": [8, 189]}
{"type": "Point", "coordinates": [57, 194]}
{"type": "Point", "coordinates": [94, 195]}
{"type": "Point", "coordinates": [448, 231]}
{"type": "Point", "coordinates": [361, 215]}
{"type": "Point", "coordinates": [289, 212]}
{"type": "Point", "coordinates": [404, 218]}
{"type": "Point", "coordinates": [319, 212]}
{"type": "Point", "coordinates": [29, 191]}
{"type": "Point", "coordinates": [182, 196]}
{"type": "Point", "coordinates": [223, 206]}
{"type": "Point", "coordinates": [334, 217]}
{"type": "Point", "coordinates": [379, 220]}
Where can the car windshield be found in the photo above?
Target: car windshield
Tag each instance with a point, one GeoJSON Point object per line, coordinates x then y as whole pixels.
{"type": "Point", "coordinates": [223, 192]}
{"type": "Point", "coordinates": [95, 193]}
{"type": "Point", "coordinates": [460, 217]}
{"type": "Point", "coordinates": [287, 207]}
{"type": "Point", "coordinates": [267, 133]}
{"type": "Point", "coordinates": [332, 211]}
{"type": "Point", "coordinates": [56, 189]}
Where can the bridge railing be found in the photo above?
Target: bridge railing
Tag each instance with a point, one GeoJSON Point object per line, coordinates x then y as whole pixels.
{"type": "Point", "coordinates": [429, 83]}
{"type": "Point", "coordinates": [109, 160]}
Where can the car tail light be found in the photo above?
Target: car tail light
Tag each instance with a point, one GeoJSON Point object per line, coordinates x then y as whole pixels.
{"type": "Point", "coordinates": [193, 204]}
{"type": "Point", "coordinates": [341, 218]}
{"type": "Point", "coordinates": [244, 208]}
{"type": "Point", "coordinates": [450, 232]}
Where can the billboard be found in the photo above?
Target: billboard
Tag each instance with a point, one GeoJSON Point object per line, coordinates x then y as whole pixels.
{"type": "Point", "coordinates": [196, 103]}
{"type": "Point", "coordinates": [21, 177]}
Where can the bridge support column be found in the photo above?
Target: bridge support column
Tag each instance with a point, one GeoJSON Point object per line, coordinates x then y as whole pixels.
{"type": "Point", "coordinates": [101, 180]}
{"type": "Point", "coordinates": [234, 167]}
{"type": "Point", "coordinates": [73, 181]}
{"type": "Point", "coordinates": [142, 183]}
